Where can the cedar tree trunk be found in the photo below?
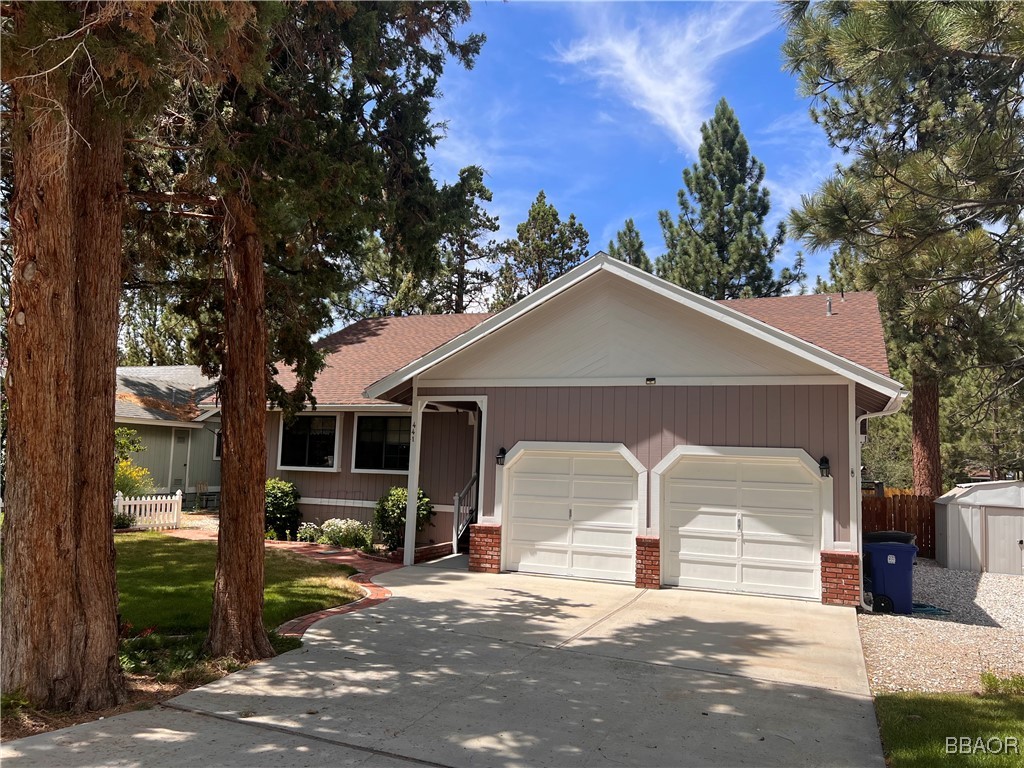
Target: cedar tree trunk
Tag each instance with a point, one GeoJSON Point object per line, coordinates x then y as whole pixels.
{"type": "Point", "coordinates": [925, 436]}
{"type": "Point", "coordinates": [59, 629]}
{"type": "Point", "coordinates": [236, 626]}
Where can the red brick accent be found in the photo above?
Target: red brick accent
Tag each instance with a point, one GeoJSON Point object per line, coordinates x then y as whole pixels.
{"type": "Point", "coordinates": [840, 578]}
{"type": "Point", "coordinates": [484, 548]}
{"type": "Point", "coordinates": [648, 562]}
{"type": "Point", "coordinates": [423, 554]}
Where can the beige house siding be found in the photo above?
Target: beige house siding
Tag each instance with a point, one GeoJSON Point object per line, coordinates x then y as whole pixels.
{"type": "Point", "coordinates": [651, 421]}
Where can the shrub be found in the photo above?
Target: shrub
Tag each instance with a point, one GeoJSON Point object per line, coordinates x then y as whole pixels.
{"type": "Point", "coordinates": [346, 533]}
{"type": "Point", "coordinates": [389, 516]}
{"type": "Point", "coordinates": [123, 520]}
{"type": "Point", "coordinates": [282, 509]}
{"type": "Point", "coordinates": [310, 532]}
{"type": "Point", "coordinates": [131, 479]}
{"type": "Point", "coordinates": [1010, 686]}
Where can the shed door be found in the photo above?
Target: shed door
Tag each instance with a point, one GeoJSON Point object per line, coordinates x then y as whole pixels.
{"type": "Point", "coordinates": [1005, 549]}
{"type": "Point", "coordinates": [179, 461]}
{"type": "Point", "coordinates": [572, 514]}
{"type": "Point", "coordinates": [742, 524]}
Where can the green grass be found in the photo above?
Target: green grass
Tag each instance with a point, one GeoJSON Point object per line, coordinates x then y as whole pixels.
{"type": "Point", "coordinates": [915, 727]}
{"type": "Point", "coordinates": [167, 583]}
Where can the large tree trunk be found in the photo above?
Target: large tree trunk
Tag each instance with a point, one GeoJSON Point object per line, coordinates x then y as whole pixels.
{"type": "Point", "coordinates": [98, 187]}
{"type": "Point", "coordinates": [236, 626]}
{"type": "Point", "coordinates": [59, 631]}
{"type": "Point", "coordinates": [925, 435]}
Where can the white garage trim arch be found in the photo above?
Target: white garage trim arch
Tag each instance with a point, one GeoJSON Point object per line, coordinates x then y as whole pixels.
{"type": "Point", "coordinates": [502, 488]}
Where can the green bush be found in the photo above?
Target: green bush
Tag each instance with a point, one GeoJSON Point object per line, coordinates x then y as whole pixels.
{"type": "Point", "coordinates": [346, 533]}
{"type": "Point", "coordinates": [309, 532]}
{"type": "Point", "coordinates": [389, 516]}
{"type": "Point", "coordinates": [123, 520]}
{"type": "Point", "coordinates": [993, 684]}
{"type": "Point", "coordinates": [282, 509]}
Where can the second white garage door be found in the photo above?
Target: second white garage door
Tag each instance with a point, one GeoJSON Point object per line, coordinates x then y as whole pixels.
{"type": "Point", "coordinates": [742, 524]}
{"type": "Point", "coordinates": [572, 514]}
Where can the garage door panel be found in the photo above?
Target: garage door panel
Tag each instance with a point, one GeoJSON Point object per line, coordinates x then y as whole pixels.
{"type": "Point", "coordinates": [780, 550]}
{"type": "Point", "coordinates": [704, 545]}
{"type": "Point", "coordinates": [538, 533]}
{"type": "Point", "coordinates": [605, 537]}
{"type": "Point", "coordinates": [708, 574]}
{"type": "Point", "coordinates": [771, 578]}
{"type": "Point", "coordinates": [695, 494]}
{"type": "Point", "coordinates": [777, 498]}
{"type": "Point", "coordinates": [617, 490]}
{"type": "Point", "coordinates": [611, 514]}
{"type": "Point", "coordinates": [547, 561]}
{"type": "Point", "coordinates": [700, 519]}
{"type": "Point", "coordinates": [602, 565]}
{"type": "Point", "coordinates": [775, 473]}
{"type": "Point", "coordinates": [543, 464]}
{"type": "Point", "coordinates": [781, 523]}
{"type": "Point", "coordinates": [537, 510]}
{"type": "Point", "coordinates": [540, 485]}
{"type": "Point", "coordinates": [705, 469]}
{"type": "Point", "coordinates": [596, 466]}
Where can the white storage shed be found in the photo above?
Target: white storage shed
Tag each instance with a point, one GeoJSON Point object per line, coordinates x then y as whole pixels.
{"type": "Point", "coordinates": [980, 527]}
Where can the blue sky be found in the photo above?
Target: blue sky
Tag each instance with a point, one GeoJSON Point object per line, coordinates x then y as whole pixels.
{"type": "Point", "coordinates": [600, 105]}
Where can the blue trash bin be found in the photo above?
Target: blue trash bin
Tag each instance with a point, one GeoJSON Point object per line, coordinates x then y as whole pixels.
{"type": "Point", "coordinates": [889, 573]}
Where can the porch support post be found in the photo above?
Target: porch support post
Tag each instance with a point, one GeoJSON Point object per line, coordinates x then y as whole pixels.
{"type": "Point", "coordinates": [414, 477]}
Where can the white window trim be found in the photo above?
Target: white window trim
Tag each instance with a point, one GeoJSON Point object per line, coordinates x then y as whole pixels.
{"type": "Point", "coordinates": [355, 435]}
{"type": "Point", "coordinates": [338, 424]}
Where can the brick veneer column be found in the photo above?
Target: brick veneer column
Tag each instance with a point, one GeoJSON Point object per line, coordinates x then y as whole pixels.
{"type": "Point", "coordinates": [840, 578]}
{"type": "Point", "coordinates": [484, 548]}
{"type": "Point", "coordinates": [648, 562]}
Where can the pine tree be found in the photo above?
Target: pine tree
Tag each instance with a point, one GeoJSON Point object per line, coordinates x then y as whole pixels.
{"type": "Point", "coordinates": [717, 246]}
{"type": "Point", "coordinates": [629, 247]}
{"type": "Point", "coordinates": [544, 248]}
{"type": "Point", "coordinates": [932, 201]}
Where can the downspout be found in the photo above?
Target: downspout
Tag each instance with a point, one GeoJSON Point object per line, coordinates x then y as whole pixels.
{"type": "Point", "coordinates": [893, 405]}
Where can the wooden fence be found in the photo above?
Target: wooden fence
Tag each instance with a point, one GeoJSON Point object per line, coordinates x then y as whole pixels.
{"type": "Point", "coordinates": [904, 512]}
{"type": "Point", "coordinates": [151, 512]}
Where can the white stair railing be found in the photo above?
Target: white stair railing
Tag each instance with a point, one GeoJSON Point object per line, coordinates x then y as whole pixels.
{"type": "Point", "coordinates": [464, 510]}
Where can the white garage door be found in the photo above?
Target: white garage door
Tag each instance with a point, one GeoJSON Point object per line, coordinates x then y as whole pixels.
{"type": "Point", "coordinates": [572, 514]}
{"type": "Point", "coordinates": [742, 524]}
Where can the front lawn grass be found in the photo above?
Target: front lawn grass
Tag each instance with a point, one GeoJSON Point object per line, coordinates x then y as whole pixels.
{"type": "Point", "coordinates": [167, 583]}
{"type": "Point", "coordinates": [915, 727]}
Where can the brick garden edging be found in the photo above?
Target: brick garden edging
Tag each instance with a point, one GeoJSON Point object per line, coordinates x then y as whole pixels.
{"type": "Point", "coordinates": [648, 562]}
{"type": "Point", "coordinates": [840, 578]}
{"type": "Point", "coordinates": [375, 595]}
{"type": "Point", "coordinates": [423, 554]}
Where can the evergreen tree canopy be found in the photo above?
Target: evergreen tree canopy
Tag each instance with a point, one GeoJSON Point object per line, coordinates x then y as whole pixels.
{"type": "Point", "coordinates": [629, 247]}
{"type": "Point", "coordinates": [545, 247]}
{"type": "Point", "coordinates": [717, 246]}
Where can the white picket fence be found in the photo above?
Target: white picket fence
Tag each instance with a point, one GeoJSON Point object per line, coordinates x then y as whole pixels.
{"type": "Point", "coordinates": [151, 512]}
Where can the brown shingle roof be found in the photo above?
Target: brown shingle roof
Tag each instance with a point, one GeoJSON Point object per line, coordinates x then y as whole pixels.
{"type": "Point", "coordinates": [369, 350]}
{"type": "Point", "coordinates": [854, 330]}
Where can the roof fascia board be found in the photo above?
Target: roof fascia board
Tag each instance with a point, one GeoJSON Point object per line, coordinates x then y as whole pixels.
{"type": "Point", "coordinates": [828, 360]}
{"type": "Point", "coordinates": [157, 422]}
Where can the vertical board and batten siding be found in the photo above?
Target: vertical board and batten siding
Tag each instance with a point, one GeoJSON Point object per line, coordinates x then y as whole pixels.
{"type": "Point", "coordinates": [651, 421]}
{"type": "Point", "coordinates": [446, 464]}
{"type": "Point", "coordinates": [202, 466]}
{"type": "Point", "coordinates": [157, 456]}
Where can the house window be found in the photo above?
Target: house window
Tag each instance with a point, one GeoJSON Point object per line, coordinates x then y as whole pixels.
{"type": "Point", "coordinates": [309, 441]}
{"type": "Point", "coordinates": [217, 444]}
{"type": "Point", "coordinates": [382, 443]}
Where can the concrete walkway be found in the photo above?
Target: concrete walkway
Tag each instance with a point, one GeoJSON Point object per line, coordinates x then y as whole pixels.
{"type": "Point", "coordinates": [460, 669]}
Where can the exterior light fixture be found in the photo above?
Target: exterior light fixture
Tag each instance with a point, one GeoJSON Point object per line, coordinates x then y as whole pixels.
{"type": "Point", "coordinates": [500, 458]}
{"type": "Point", "coordinates": [823, 465]}
{"type": "Point", "coordinates": [651, 380]}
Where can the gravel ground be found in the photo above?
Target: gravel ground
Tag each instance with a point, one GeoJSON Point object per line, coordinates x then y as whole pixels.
{"type": "Point", "coordinates": [983, 632]}
{"type": "Point", "coordinates": [205, 521]}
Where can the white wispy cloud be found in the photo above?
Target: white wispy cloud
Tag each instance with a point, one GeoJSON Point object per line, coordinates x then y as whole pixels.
{"type": "Point", "coordinates": [665, 67]}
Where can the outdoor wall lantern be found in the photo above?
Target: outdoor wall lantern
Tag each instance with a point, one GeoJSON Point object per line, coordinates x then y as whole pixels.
{"type": "Point", "coordinates": [823, 465]}
{"type": "Point", "coordinates": [500, 458]}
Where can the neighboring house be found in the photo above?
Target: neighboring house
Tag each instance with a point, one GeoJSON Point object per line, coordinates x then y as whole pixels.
{"type": "Point", "coordinates": [182, 439]}
{"type": "Point", "coordinates": [621, 428]}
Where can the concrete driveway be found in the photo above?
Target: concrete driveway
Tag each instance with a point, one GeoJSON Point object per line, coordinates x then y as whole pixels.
{"type": "Point", "coordinates": [461, 669]}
